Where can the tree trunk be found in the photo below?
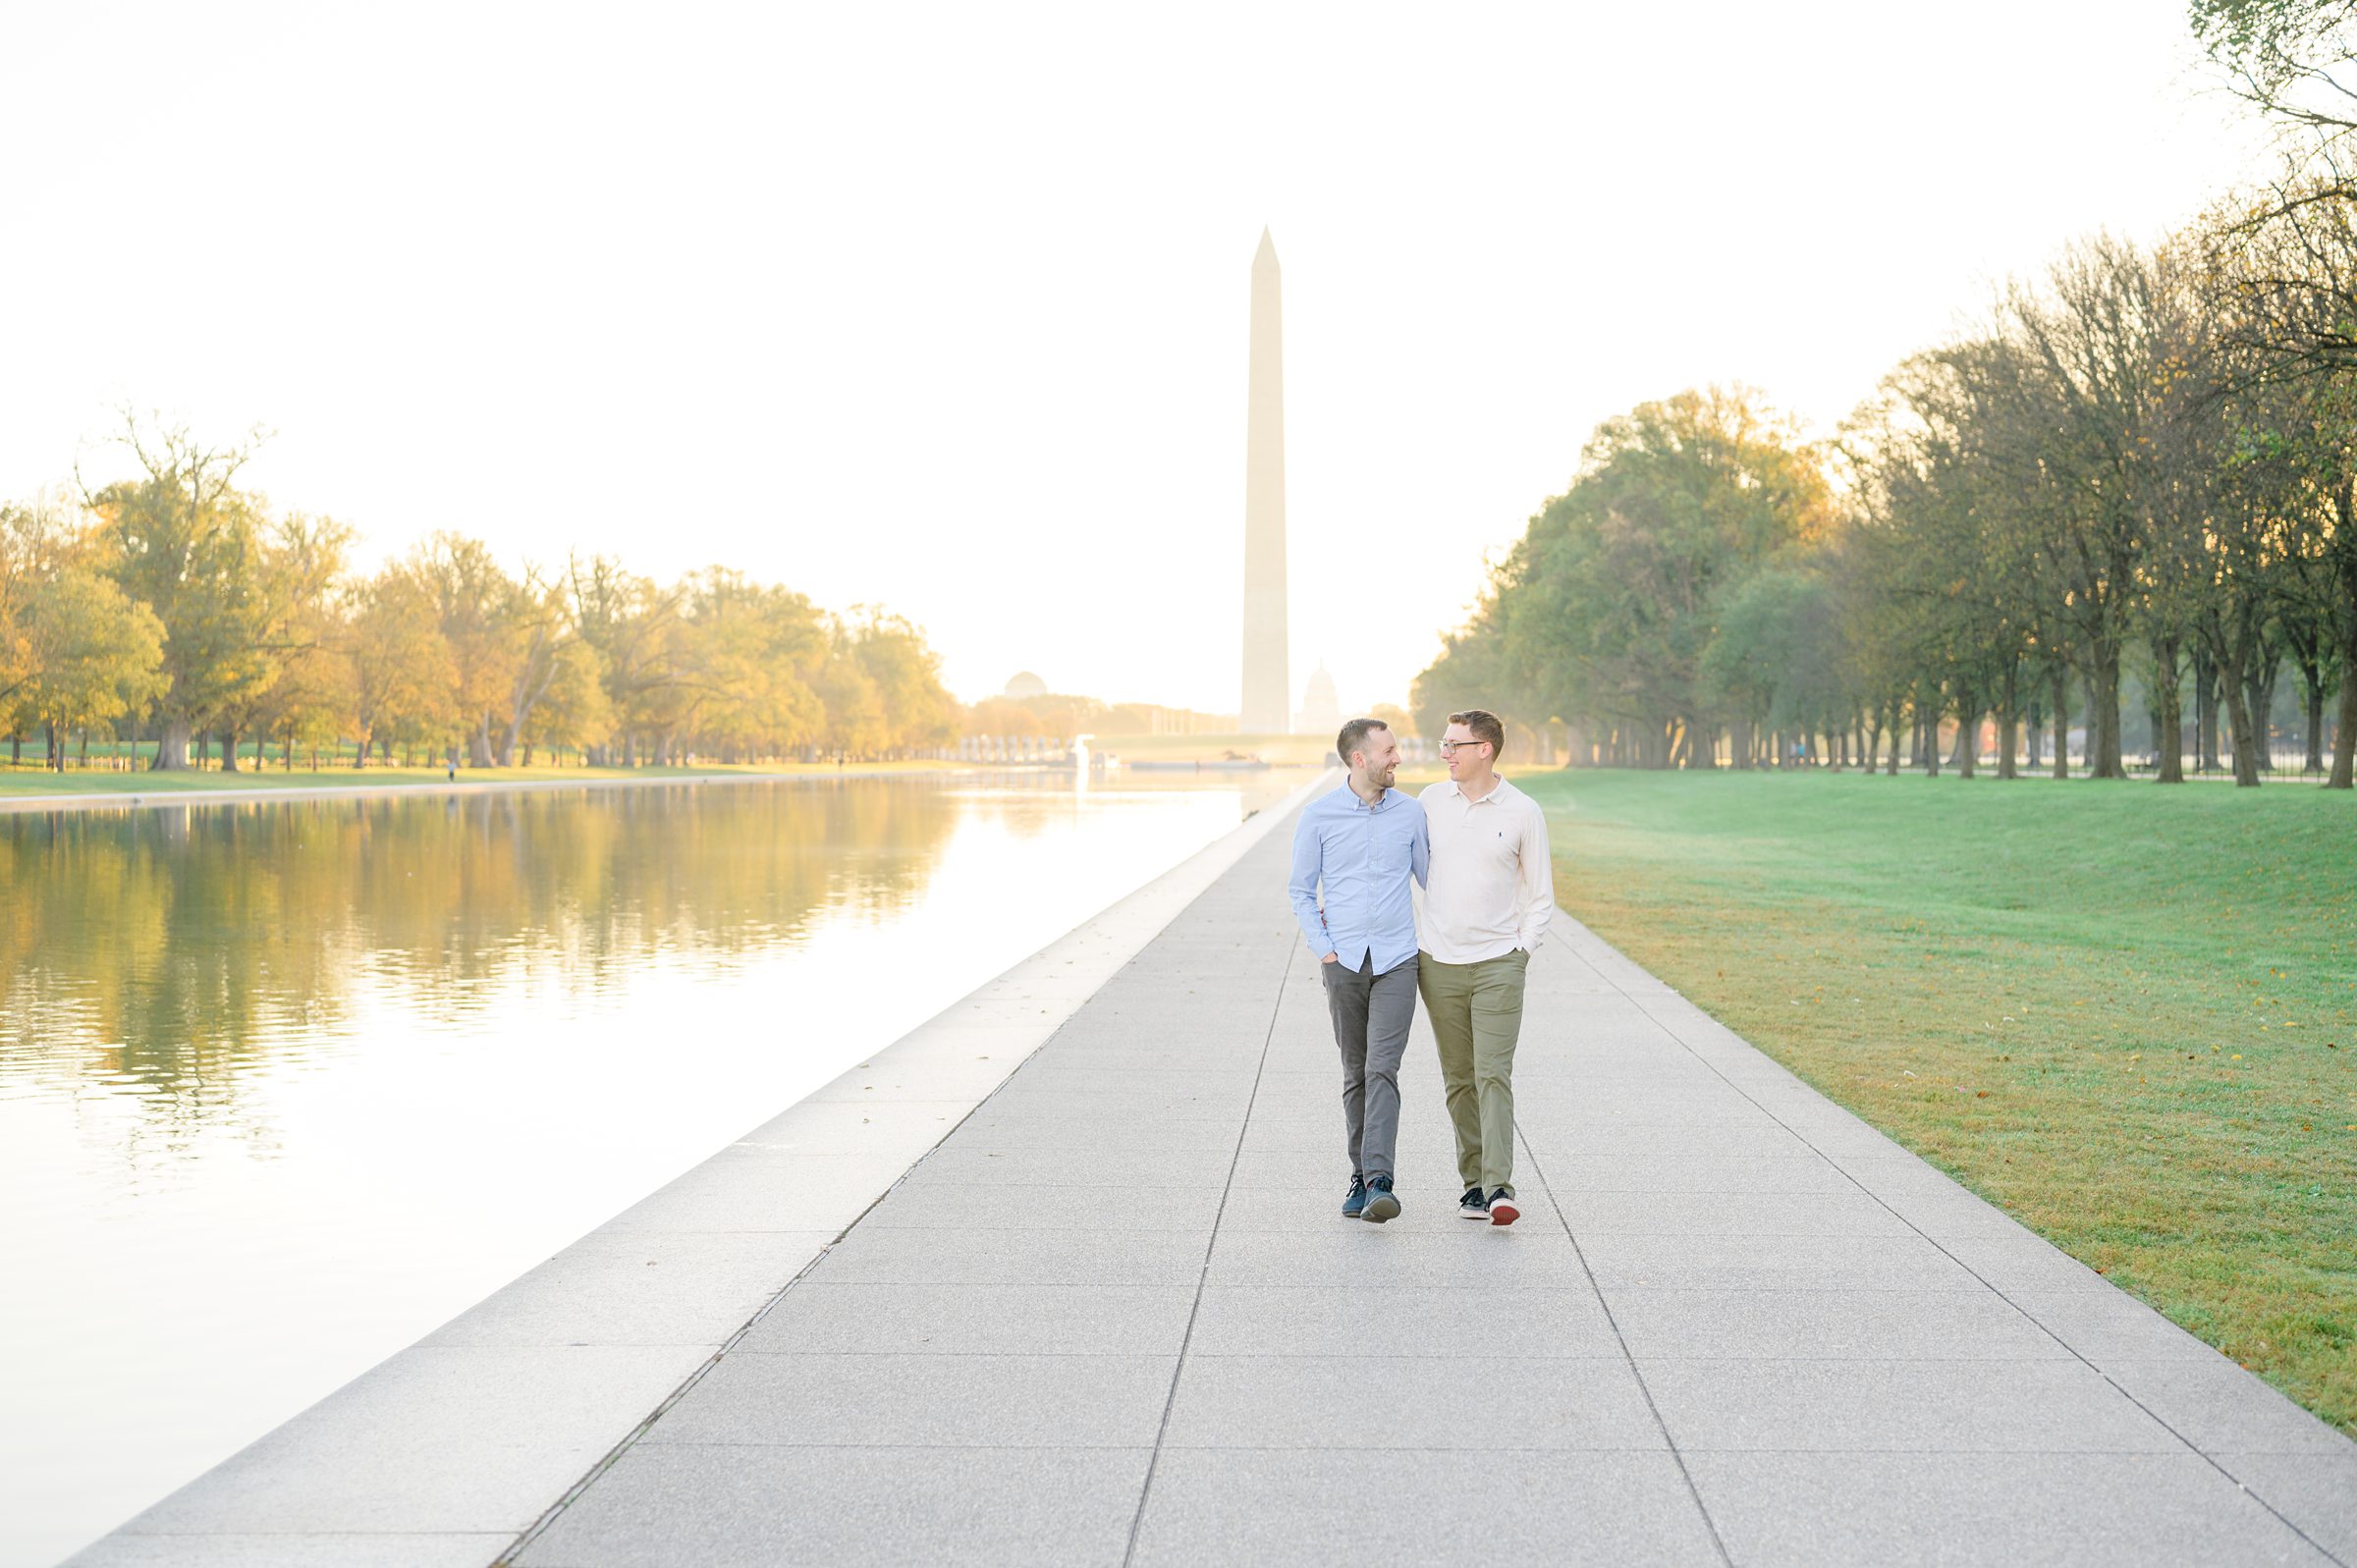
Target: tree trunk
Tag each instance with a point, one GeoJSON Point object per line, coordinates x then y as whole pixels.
{"type": "Point", "coordinates": [2173, 737]}
{"type": "Point", "coordinates": [2243, 735]}
{"type": "Point", "coordinates": [2103, 727]}
{"type": "Point", "coordinates": [2205, 711]}
{"type": "Point", "coordinates": [2306, 640]}
{"type": "Point", "coordinates": [229, 751]}
{"type": "Point", "coordinates": [57, 750]}
{"type": "Point", "coordinates": [2344, 744]}
{"type": "Point", "coordinates": [478, 744]}
{"type": "Point", "coordinates": [2008, 721]}
{"type": "Point", "coordinates": [1892, 727]}
{"type": "Point", "coordinates": [2062, 722]}
{"type": "Point", "coordinates": [2260, 685]}
{"type": "Point", "coordinates": [1968, 740]}
{"type": "Point", "coordinates": [2169, 707]}
{"type": "Point", "coordinates": [171, 746]}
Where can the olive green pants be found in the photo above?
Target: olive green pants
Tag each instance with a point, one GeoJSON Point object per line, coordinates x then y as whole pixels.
{"type": "Point", "coordinates": [1476, 1013]}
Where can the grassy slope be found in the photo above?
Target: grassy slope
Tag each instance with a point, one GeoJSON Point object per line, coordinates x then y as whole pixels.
{"type": "Point", "coordinates": [2127, 1014]}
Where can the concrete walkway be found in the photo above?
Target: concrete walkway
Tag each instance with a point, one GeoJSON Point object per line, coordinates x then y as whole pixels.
{"type": "Point", "coordinates": [1115, 1316]}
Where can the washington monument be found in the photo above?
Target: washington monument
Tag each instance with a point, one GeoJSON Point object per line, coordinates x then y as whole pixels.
{"type": "Point", "coordinates": [1267, 704]}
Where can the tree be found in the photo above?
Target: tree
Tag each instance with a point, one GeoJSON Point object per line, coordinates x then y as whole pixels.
{"type": "Point", "coordinates": [538, 636]}
{"type": "Point", "coordinates": [2296, 61]}
{"type": "Point", "coordinates": [473, 602]}
{"type": "Point", "coordinates": [1600, 613]}
{"type": "Point", "coordinates": [306, 695]}
{"type": "Point", "coordinates": [1777, 656]}
{"type": "Point", "coordinates": [186, 543]}
{"type": "Point", "coordinates": [918, 711]}
{"type": "Point", "coordinates": [572, 709]}
{"type": "Point", "coordinates": [744, 660]}
{"type": "Point", "coordinates": [630, 623]}
{"type": "Point", "coordinates": [2100, 334]}
{"type": "Point", "coordinates": [96, 656]}
{"type": "Point", "coordinates": [31, 538]}
{"type": "Point", "coordinates": [856, 724]}
{"type": "Point", "coordinates": [403, 678]}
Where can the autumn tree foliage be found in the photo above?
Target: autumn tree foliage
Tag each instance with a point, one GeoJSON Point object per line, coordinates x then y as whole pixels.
{"type": "Point", "coordinates": [2140, 466]}
{"type": "Point", "coordinates": [177, 606]}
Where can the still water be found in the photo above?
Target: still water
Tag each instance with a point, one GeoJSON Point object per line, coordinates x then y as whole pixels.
{"type": "Point", "coordinates": [285, 1086]}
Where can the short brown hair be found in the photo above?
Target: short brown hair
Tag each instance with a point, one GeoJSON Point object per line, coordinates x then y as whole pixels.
{"type": "Point", "coordinates": [1485, 725]}
{"type": "Point", "coordinates": [1353, 735]}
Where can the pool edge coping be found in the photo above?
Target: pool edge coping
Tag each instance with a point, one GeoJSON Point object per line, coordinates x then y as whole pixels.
{"type": "Point", "coordinates": [477, 1430]}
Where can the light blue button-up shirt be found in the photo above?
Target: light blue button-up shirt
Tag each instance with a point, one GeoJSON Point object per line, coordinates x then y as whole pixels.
{"type": "Point", "coordinates": [1364, 855]}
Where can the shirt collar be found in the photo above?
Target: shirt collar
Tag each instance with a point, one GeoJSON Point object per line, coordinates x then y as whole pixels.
{"type": "Point", "coordinates": [1497, 791]}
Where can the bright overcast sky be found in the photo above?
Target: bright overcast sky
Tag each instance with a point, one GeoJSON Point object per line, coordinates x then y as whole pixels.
{"type": "Point", "coordinates": [946, 308]}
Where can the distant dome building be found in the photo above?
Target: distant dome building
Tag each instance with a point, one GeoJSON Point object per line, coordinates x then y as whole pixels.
{"type": "Point", "coordinates": [1026, 684]}
{"type": "Point", "coordinates": [1321, 709]}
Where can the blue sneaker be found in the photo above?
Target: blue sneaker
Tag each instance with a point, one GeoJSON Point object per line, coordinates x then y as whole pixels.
{"type": "Point", "coordinates": [1356, 1204]}
{"type": "Point", "coordinates": [1474, 1205]}
{"type": "Point", "coordinates": [1381, 1205]}
{"type": "Point", "coordinates": [1504, 1210]}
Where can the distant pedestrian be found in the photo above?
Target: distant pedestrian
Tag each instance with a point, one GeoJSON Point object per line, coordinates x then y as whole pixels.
{"type": "Point", "coordinates": [1362, 845]}
{"type": "Point", "coordinates": [1486, 906]}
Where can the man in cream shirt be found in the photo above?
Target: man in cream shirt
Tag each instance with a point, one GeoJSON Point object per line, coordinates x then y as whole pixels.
{"type": "Point", "coordinates": [1485, 908]}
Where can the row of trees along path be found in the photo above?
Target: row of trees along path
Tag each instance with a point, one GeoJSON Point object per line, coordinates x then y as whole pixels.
{"type": "Point", "coordinates": [176, 603]}
{"type": "Point", "coordinates": [2142, 464]}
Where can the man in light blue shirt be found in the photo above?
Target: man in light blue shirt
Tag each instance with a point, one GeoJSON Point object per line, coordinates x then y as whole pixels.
{"type": "Point", "coordinates": [1362, 843]}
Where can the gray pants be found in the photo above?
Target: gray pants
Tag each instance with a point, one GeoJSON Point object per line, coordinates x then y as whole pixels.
{"type": "Point", "coordinates": [1371, 1015]}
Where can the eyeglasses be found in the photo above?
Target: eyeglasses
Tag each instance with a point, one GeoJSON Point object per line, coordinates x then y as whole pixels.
{"type": "Point", "coordinates": [1450, 748]}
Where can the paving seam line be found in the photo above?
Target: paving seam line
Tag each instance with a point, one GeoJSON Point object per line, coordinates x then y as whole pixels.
{"type": "Point", "coordinates": [1652, 1409]}
{"type": "Point", "coordinates": [540, 1526]}
{"type": "Point", "coordinates": [1687, 1047]}
{"type": "Point", "coordinates": [572, 1493]}
{"type": "Point", "coordinates": [1145, 1490]}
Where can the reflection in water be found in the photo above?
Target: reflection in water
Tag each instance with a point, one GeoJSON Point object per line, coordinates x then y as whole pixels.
{"type": "Point", "coordinates": [176, 949]}
{"type": "Point", "coordinates": [284, 1086]}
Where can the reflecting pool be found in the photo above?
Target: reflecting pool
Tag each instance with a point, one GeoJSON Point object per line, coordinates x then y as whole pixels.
{"type": "Point", "coordinates": [286, 1085]}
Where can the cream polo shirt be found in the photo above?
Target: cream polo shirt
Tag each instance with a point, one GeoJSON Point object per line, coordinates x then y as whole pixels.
{"type": "Point", "coordinates": [1492, 886]}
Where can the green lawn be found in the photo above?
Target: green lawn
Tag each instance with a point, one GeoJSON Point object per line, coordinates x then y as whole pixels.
{"type": "Point", "coordinates": [2125, 1014]}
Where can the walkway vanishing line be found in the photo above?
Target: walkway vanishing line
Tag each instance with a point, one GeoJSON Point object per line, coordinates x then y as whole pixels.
{"type": "Point", "coordinates": [1115, 1317]}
